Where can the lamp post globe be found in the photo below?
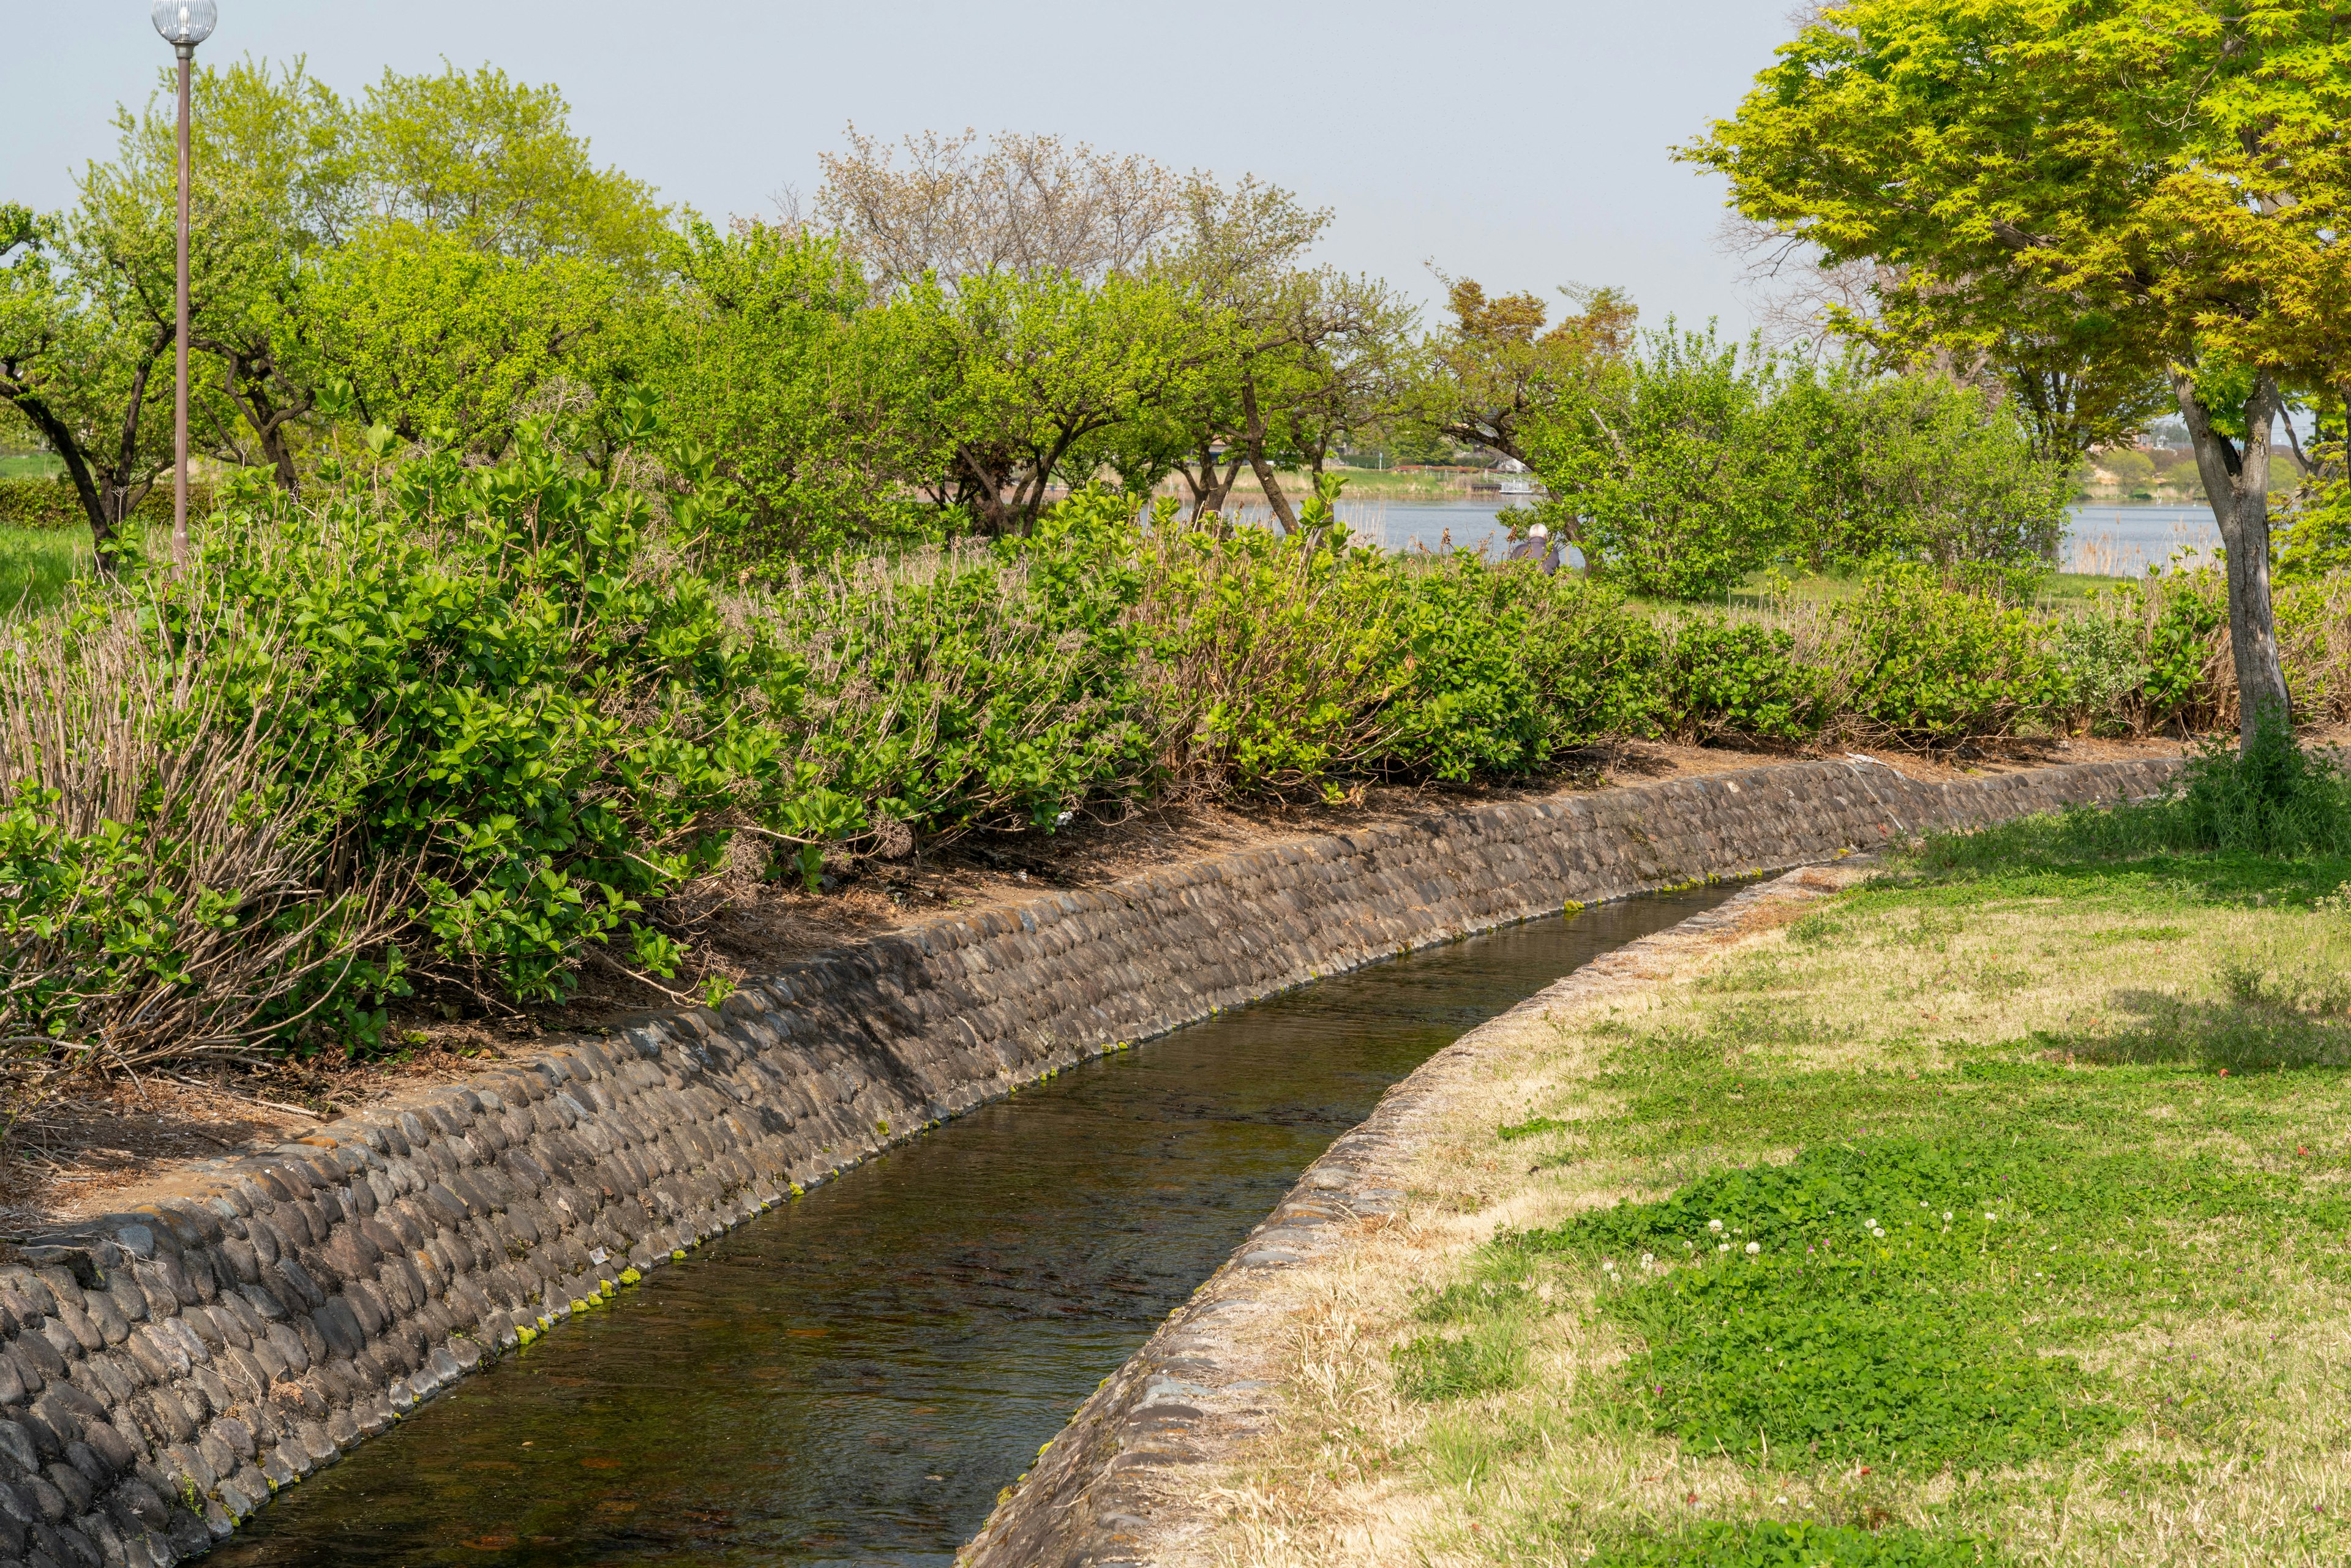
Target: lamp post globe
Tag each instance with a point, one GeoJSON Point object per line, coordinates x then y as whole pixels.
{"type": "Point", "coordinates": [185, 24]}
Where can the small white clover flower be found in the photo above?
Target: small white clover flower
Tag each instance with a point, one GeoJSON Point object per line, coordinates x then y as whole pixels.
{"type": "Point", "coordinates": [1947, 1217]}
{"type": "Point", "coordinates": [1989, 1215]}
{"type": "Point", "coordinates": [1715, 1226]}
{"type": "Point", "coordinates": [1648, 1259]}
{"type": "Point", "coordinates": [1724, 1248]}
{"type": "Point", "coordinates": [1753, 1247]}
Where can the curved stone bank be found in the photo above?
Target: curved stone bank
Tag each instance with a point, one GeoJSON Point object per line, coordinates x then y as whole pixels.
{"type": "Point", "coordinates": [164, 1371]}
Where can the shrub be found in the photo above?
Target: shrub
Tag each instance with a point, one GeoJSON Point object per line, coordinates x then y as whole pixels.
{"type": "Point", "coordinates": [976, 685]}
{"type": "Point", "coordinates": [1592, 658]}
{"type": "Point", "coordinates": [52, 503]}
{"type": "Point", "coordinates": [1273, 660]}
{"type": "Point", "coordinates": [2269, 797]}
{"type": "Point", "coordinates": [1468, 705]}
{"type": "Point", "coordinates": [159, 877]}
{"type": "Point", "coordinates": [1934, 666]}
{"type": "Point", "coordinates": [511, 688]}
{"type": "Point", "coordinates": [1730, 678]}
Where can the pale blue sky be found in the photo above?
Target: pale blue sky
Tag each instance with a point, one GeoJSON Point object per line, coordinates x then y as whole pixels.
{"type": "Point", "coordinates": [1520, 143]}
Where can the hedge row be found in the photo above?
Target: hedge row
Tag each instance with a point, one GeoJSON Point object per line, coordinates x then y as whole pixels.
{"type": "Point", "coordinates": [52, 503]}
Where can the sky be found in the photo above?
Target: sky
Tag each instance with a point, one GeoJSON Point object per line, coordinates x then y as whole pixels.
{"type": "Point", "coordinates": [1526, 145]}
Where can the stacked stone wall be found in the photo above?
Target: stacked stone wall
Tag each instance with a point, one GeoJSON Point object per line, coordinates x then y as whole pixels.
{"type": "Point", "coordinates": [164, 1371]}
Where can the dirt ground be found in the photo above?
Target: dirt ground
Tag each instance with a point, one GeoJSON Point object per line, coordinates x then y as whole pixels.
{"type": "Point", "coordinates": [68, 1159]}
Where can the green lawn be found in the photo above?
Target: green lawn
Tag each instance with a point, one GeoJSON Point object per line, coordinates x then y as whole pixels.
{"type": "Point", "coordinates": [31, 465]}
{"type": "Point", "coordinates": [1992, 1216]}
{"type": "Point", "coordinates": [2059, 590]}
{"type": "Point", "coordinates": [36, 564]}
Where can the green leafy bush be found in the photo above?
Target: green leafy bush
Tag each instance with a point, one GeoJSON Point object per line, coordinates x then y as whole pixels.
{"type": "Point", "coordinates": [1721, 678]}
{"type": "Point", "coordinates": [989, 685]}
{"type": "Point", "coordinates": [52, 503]}
{"type": "Point", "coordinates": [513, 693]}
{"type": "Point", "coordinates": [1934, 666]}
{"type": "Point", "coordinates": [1469, 705]}
{"type": "Point", "coordinates": [1592, 658]}
{"type": "Point", "coordinates": [2268, 797]}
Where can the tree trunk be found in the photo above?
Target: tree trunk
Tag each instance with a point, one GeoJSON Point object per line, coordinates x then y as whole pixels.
{"type": "Point", "coordinates": [1253, 436]}
{"type": "Point", "coordinates": [61, 440]}
{"type": "Point", "coordinates": [2238, 486]}
{"type": "Point", "coordinates": [1210, 485]}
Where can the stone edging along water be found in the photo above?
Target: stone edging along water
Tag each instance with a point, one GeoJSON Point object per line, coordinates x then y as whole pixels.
{"type": "Point", "coordinates": [1122, 1483]}
{"type": "Point", "coordinates": [163, 1372]}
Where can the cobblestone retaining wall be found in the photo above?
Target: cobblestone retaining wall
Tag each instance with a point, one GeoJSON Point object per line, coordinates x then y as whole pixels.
{"type": "Point", "coordinates": [164, 1371]}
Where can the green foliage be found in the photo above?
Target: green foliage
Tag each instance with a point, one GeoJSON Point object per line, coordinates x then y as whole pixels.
{"type": "Point", "coordinates": [51, 504]}
{"type": "Point", "coordinates": [439, 340]}
{"type": "Point", "coordinates": [1468, 705]}
{"type": "Point", "coordinates": [1660, 463]}
{"type": "Point", "coordinates": [783, 400]}
{"type": "Point", "coordinates": [1772, 1544]}
{"type": "Point", "coordinates": [2269, 797]}
{"type": "Point", "coordinates": [994, 686]}
{"type": "Point", "coordinates": [1592, 656]}
{"type": "Point", "coordinates": [1935, 665]}
{"type": "Point", "coordinates": [1913, 466]}
{"type": "Point", "coordinates": [1828, 1307]}
{"type": "Point", "coordinates": [510, 698]}
{"type": "Point", "coordinates": [1726, 678]}
{"type": "Point", "coordinates": [1490, 1354]}
{"type": "Point", "coordinates": [91, 897]}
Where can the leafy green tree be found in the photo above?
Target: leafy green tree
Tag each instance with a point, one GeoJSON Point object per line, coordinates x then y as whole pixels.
{"type": "Point", "coordinates": [1027, 367]}
{"type": "Point", "coordinates": [1300, 356]}
{"type": "Point", "coordinates": [432, 335]}
{"type": "Point", "coordinates": [1497, 365]}
{"type": "Point", "coordinates": [82, 380]}
{"type": "Point", "coordinates": [2175, 169]}
{"type": "Point", "coordinates": [1915, 467]}
{"type": "Point", "coordinates": [494, 163]}
{"type": "Point", "coordinates": [769, 369]}
{"type": "Point", "coordinates": [1666, 466]}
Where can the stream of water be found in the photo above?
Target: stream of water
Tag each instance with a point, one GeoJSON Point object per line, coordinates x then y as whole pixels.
{"type": "Point", "coordinates": [851, 1379]}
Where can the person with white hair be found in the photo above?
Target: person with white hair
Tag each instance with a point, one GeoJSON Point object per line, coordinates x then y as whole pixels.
{"type": "Point", "coordinates": [1537, 547]}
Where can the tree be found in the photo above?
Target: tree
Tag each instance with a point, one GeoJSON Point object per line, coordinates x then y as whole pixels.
{"type": "Point", "coordinates": [437, 340]}
{"type": "Point", "coordinates": [1664, 464]}
{"type": "Point", "coordinates": [1027, 367]}
{"type": "Point", "coordinates": [83, 382]}
{"type": "Point", "coordinates": [1302, 356]}
{"type": "Point", "coordinates": [768, 366]}
{"type": "Point", "coordinates": [493, 163]}
{"type": "Point", "coordinates": [1496, 366]}
{"type": "Point", "coordinates": [490, 262]}
{"type": "Point", "coordinates": [1912, 467]}
{"type": "Point", "coordinates": [2174, 169]}
{"type": "Point", "coordinates": [2044, 354]}
{"type": "Point", "coordinates": [1026, 205]}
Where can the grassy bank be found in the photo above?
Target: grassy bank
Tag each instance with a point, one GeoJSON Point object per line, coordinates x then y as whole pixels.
{"type": "Point", "coordinates": [36, 564]}
{"type": "Point", "coordinates": [1985, 1214]}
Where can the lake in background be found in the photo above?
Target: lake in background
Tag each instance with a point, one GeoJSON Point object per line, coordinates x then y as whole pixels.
{"type": "Point", "coordinates": [2104, 540]}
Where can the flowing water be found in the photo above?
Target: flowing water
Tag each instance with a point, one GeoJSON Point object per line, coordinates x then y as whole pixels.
{"type": "Point", "coordinates": [852, 1378]}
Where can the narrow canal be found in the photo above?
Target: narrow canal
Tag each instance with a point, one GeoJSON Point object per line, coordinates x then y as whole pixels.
{"type": "Point", "coordinates": [851, 1379]}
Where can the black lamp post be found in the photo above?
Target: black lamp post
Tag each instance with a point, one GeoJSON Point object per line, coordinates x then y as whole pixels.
{"type": "Point", "coordinates": [185, 24]}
